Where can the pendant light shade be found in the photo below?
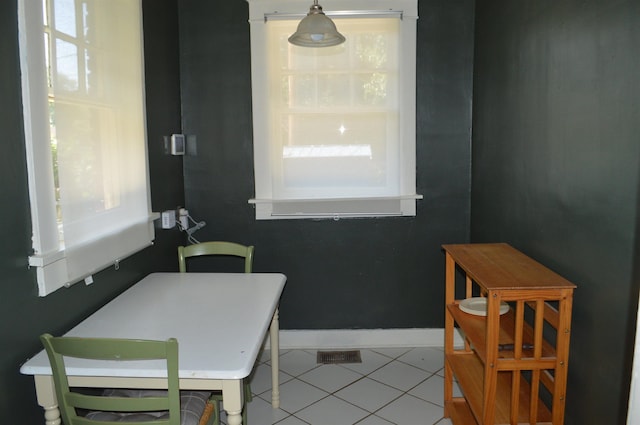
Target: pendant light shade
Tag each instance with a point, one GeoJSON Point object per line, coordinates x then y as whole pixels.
{"type": "Point", "coordinates": [316, 30]}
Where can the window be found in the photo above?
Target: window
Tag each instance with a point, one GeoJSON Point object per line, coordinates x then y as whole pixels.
{"type": "Point", "coordinates": [85, 135]}
{"type": "Point", "coordinates": [334, 127]}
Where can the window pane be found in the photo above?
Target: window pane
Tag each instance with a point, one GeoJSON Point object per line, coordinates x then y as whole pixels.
{"type": "Point", "coordinates": [87, 22]}
{"type": "Point", "coordinates": [334, 90]}
{"type": "Point", "coordinates": [375, 89]}
{"type": "Point", "coordinates": [373, 51]}
{"type": "Point", "coordinates": [65, 16]}
{"type": "Point", "coordinates": [93, 70]}
{"type": "Point", "coordinates": [66, 71]}
{"type": "Point", "coordinates": [45, 14]}
{"type": "Point", "coordinates": [85, 153]}
{"type": "Point", "coordinates": [47, 60]}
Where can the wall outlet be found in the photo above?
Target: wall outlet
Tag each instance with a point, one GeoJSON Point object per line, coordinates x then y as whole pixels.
{"type": "Point", "coordinates": [178, 144]}
{"type": "Point", "coordinates": [168, 219]}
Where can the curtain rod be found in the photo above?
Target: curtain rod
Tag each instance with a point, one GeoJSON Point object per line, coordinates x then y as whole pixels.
{"type": "Point", "coordinates": [276, 16]}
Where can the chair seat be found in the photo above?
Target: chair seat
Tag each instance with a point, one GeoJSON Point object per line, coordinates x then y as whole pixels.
{"type": "Point", "coordinates": [192, 407]}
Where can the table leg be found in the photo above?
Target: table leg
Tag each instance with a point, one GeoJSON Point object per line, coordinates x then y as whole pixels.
{"type": "Point", "coordinates": [233, 401]}
{"type": "Point", "coordinates": [52, 415]}
{"type": "Point", "coordinates": [46, 395]}
{"type": "Point", "coordinates": [275, 360]}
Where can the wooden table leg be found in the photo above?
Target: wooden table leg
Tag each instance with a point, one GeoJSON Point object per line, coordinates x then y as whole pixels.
{"type": "Point", "coordinates": [275, 360]}
{"type": "Point", "coordinates": [232, 396]}
{"type": "Point", "coordinates": [46, 395]}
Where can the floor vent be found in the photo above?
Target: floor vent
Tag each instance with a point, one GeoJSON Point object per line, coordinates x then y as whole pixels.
{"type": "Point", "coordinates": [335, 357]}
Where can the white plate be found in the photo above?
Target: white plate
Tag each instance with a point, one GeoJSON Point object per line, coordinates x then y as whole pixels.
{"type": "Point", "coordinates": [478, 306]}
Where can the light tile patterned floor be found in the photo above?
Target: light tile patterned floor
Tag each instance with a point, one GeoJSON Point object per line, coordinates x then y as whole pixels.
{"type": "Point", "coordinates": [401, 386]}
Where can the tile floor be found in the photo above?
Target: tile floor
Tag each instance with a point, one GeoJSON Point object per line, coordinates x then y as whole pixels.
{"type": "Point", "coordinates": [401, 386]}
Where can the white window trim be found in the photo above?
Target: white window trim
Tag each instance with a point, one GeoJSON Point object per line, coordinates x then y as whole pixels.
{"type": "Point", "coordinates": [336, 208]}
{"type": "Point", "coordinates": [268, 208]}
{"type": "Point", "coordinates": [48, 259]}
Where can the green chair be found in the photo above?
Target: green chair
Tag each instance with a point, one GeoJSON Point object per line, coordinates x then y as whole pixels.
{"type": "Point", "coordinates": [228, 249]}
{"type": "Point", "coordinates": [153, 408]}
{"type": "Point", "coordinates": [216, 248]}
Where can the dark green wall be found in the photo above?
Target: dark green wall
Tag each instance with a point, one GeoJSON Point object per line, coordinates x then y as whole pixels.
{"type": "Point", "coordinates": [555, 173]}
{"type": "Point", "coordinates": [352, 273]}
{"type": "Point", "coordinates": [24, 316]}
{"type": "Point", "coordinates": [556, 154]}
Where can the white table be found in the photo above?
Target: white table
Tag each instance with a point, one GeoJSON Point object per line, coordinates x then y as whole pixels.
{"type": "Point", "coordinates": [219, 319]}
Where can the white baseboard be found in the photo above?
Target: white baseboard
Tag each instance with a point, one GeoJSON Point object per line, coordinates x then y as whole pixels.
{"type": "Point", "coordinates": [362, 338]}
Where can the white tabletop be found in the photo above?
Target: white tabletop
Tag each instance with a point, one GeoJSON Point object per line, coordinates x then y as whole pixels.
{"type": "Point", "coordinates": [219, 319]}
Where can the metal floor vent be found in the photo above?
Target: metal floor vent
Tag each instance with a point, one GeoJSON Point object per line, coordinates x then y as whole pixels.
{"type": "Point", "coordinates": [335, 357]}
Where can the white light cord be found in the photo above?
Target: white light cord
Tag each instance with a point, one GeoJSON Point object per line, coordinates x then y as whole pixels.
{"type": "Point", "coordinates": [183, 225]}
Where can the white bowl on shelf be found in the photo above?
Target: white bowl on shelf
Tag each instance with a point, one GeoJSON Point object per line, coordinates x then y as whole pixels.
{"type": "Point", "coordinates": [478, 306]}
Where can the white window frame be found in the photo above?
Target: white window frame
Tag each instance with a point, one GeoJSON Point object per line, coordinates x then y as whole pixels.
{"type": "Point", "coordinates": [404, 204]}
{"type": "Point", "coordinates": [50, 259]}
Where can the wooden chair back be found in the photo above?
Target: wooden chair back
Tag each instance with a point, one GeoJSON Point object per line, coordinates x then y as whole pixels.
{"type": "Point", "coordinates": [59, 348]}
{"type": "Point", "coordinates": [216, 248]}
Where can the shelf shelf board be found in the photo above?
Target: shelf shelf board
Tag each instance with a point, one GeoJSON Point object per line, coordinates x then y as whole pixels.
{"type": "Point", "coordinates": [500, 266]}
{"type": "Point", "coordinates": [474, 329]}
{"type": "Point", "coordinates": [469, 372]}
{"type": "Point", "coordinates": [459, 412]}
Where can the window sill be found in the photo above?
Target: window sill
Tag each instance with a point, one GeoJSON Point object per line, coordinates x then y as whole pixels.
{"type": "Point", "coordinates": [337, 208]}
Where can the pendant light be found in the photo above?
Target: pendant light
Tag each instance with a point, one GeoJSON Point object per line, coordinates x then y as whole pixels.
{"type": "Point", "coordinates": [316, 30]}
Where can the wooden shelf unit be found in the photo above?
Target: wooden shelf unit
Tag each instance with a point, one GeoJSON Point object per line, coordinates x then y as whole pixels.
{"type": "Point", "coordinates": [510, 363]}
